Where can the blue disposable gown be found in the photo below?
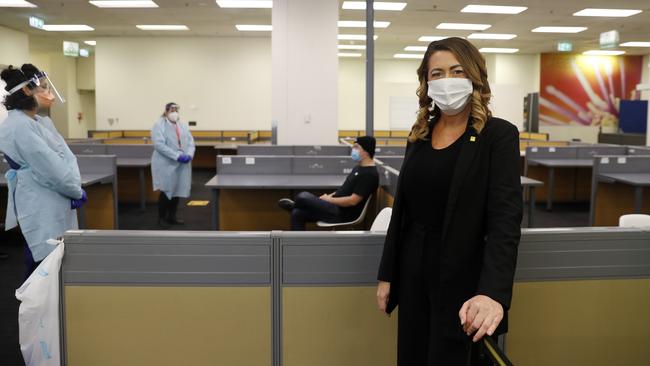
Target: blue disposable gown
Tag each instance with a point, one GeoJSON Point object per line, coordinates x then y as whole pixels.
{"type": "Point", "coordinates": [48, 178]}
{"type": "Point", "coordinates": [170, 176]}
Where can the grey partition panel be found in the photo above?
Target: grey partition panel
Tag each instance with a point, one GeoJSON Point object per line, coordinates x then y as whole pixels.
{"type": "Point", "coordinates": [388, 179]}
{"type": "Point", "coordinates": [88, 149]}
{"type": "Point", "coordinates": [97, 164]}
{"type": "Point", "coordinates": [265, 150]}
{"type": "Point", "coordinates": [240, 164]}
{"type": "Point", "coordinates": [551, 152]}
{"type": "Point", "coordinates": [622, 164]}
{"type": "Point", "coordinates": [331, 150]}
{"type": "Point", "coordinates": [323, 165]}
{"type": "Point", "coordinates": [586, 152]}
{"type": "Point", "coordinates": [394, 162]}
{"type": "Point", "coordinates": [583, 253]}
{"type": "Point", "coordinates": [390, 151]}
{"type": "Point", "coordinates": [130, 151]}
{"type": "Point", "coordinates": [330, 257]}
{"type": "Point", "coordinates": [179, 257]}
{"type": "Point", "coordinates": [638, 151]}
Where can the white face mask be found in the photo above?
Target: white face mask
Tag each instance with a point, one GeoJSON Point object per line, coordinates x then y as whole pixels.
{"type": "Point", "coordinates": [173, 116]}
{"type": "Point", "coordinates": [450, 94]}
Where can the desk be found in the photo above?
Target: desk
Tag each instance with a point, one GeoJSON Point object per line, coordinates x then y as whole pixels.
{"type": "Point", "coordinates": [551, 165]}
{"type": "Point", "coordinates": [636, 180]}
{"type": "Point", "coordinates": [236, 182]}
{"type": "Point", "coordinates": [141, 164]}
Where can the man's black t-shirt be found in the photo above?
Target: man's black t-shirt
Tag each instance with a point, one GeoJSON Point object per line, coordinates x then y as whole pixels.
{"type": "Point", "coordinates": [363, 181]}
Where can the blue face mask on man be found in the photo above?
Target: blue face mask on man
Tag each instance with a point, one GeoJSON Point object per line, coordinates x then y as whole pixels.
{"type": "Point", "coordinates": [355, 155]}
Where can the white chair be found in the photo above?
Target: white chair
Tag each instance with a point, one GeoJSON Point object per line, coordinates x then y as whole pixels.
{"type": "Point", "coordinates": [356, 221]}
{"type": "Point", "coordinates": [634, 220]}
{"type": "Point", "coordinates": [382, 220]}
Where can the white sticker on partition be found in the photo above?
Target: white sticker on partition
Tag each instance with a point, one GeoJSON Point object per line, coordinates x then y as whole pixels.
{"type": "Point", "coordinates": [604, 160]}
{"type": "Point", "coordinates": [226, 161]}
{"type": "Point", "coordinates": [347, 170]}
{"type": "Point", "coordinates": [621, 160]}
{"type": "Point", "coordinates": [533, 149]}
{"type": "Point", "coordinates": [551, 149]}
{"type": "Point", "coordinates": [250, 161]}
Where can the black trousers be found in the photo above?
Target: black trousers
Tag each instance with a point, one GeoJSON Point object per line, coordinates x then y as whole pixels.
{"type": "Point", "coordinates": [167, 208]}
{"type": "Point", "coordinates": [309, 208]}
{"type": "Point", "coordinates": [420, 341]}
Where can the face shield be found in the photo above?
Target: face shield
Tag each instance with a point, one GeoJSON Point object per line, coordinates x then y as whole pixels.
{"type": "Point", "coordinates": [40, 83]}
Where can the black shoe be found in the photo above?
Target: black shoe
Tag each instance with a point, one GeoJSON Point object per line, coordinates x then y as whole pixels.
{"type": "Point", "coordinates": [286, 204]}
{"type": "Point", "coordinates": [163, 224]}
{"type": "Point", "coordinates": [175, 221]}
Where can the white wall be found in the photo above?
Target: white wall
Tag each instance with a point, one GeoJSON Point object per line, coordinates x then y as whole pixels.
{"type": "Point", "coordinates": [222, 83]}
{"type": "Point", "coordinates": [14, 50]}
{"type": "Point", "coordinates": [510, 76]}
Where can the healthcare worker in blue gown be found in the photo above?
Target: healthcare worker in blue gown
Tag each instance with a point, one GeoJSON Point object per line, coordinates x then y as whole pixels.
{"type": "Point", "coordinates": [171, 166]}
{"type": "Point", "coordinates": [44, 183]}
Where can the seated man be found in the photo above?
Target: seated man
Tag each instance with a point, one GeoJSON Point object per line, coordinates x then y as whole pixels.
{"type": "Point", "coordinates": [347, 202]}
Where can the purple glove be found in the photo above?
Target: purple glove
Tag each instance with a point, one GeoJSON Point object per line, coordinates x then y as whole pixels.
{"type": "Point", "coordinates": [184, 158]}
{"type": "Point", "coordinates": [75, 204]}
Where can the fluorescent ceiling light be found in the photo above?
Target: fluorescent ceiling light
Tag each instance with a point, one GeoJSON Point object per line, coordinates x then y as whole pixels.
{"type": "Point", "coordinates": [498, 50]}
{"type": "Point", "coordinates": [162, 27]}
{"type": "Point", "coordinates": [349, 54]}
{"type": "Point", "coordinates": [16, 4]}
{"type": "Point", "coordinates": [67, 28]}
{"type": "Point", "coordinates": [360, 24]}
{"type": "Point", "coordinates": [124, 4]}
{"type": "Point", "coordinates": [354, 37]}
{"type": "Point", "coordinates": [463, 26]}
{"type": "Point", "coordinates": [615, 13]}
{"type": "Point", "coordinates": [254, 28]}
{"type": "Point", "coordinates": [91, 43]}
{"type": "Point", "coordinates": [408, 55]}
{"type": "Point", "coordinates": [432, 38]}
{"type": "Point", "coordinates": [491, 36]}
{"type": "Point", "coordinates": [361, 5]}
{"type": "Point", "coordinates": [415, 48]}
{"type": "Point", "coordinates": [352, 47]}
{"type": "Point", "coordinates": [635, 44]}
{"type": "Point", "coordinates": [245, 4]}
{"type": "Point", "coordinates": [559, 29]}
{"type": "Point", "coordinates": [493, 9]}
{"type": "Point", "coordinates": [603, 53]}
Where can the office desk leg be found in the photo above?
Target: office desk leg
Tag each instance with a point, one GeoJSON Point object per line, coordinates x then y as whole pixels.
{"type": "Point", "coordinates": [143, 203]}
{"type": "Point", "coordinates": [81, 215]}
{"type": "Point", "coordinates": [531, 205]}
{"type": "Point", "coordinates": [215, 209]}
{"type": "Point", "coordinates": [638, 199]}
{"type": "Point", "coordinates": [551, 188]}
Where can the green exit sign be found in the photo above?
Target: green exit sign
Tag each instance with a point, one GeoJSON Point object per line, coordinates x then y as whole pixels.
{"type": "Point", "coordinates": [564, 46]}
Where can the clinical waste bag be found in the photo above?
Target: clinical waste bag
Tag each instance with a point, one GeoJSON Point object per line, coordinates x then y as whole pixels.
{"type": "Point", "coordinates": [38, 315]}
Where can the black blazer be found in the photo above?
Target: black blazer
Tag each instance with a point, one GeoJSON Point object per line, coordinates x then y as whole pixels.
{"type": "Point", "coordinates": [482, 224]}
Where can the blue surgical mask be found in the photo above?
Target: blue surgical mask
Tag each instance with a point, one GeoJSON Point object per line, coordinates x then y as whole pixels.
{"type": "Point", "coordinates": [355, 155]}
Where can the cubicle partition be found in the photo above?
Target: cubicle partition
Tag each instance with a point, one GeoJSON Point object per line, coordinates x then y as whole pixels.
{"type": "Point", "coordinates": [134, 163]}
{"type": "Point", "coordinates": [618, 186]}
{"type": "Point", "coordinates": [297, 150]}
{"type": "Point", "coordinates": [635, 150]}
{"type": "Point", "coordinates": [289, 298]}
{"type": "Point", "coordinates": [166, 298]}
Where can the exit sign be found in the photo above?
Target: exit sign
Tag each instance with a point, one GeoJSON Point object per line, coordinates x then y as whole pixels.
{"type": "Point", "coordinates": [564, 46]}
{"type": "Point", "coordinates": [36, 22]}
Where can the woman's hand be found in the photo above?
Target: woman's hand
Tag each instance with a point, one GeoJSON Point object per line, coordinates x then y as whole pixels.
{"type": "Point", "coordinates": [383, 291]}
{"type": "Point", "coordinates": [480, 314]}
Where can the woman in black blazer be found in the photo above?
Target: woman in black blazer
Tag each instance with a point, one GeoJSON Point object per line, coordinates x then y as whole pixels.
{"type": "Point", "coordinates": [451, 248]}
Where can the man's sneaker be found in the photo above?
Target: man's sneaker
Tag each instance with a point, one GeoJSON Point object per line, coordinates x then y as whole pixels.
{"type": "Point", "coordinates": [286, 204]}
